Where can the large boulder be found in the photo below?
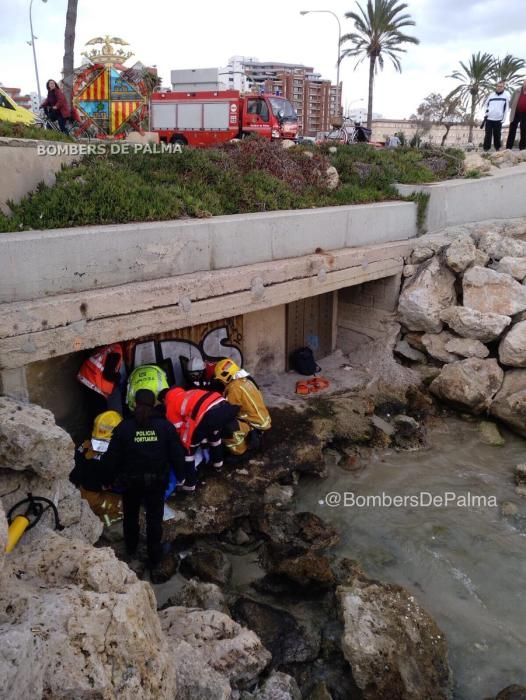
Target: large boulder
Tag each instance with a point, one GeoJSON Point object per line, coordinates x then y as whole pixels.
{"type": "Point", "coordinates": [509, 404]}
{"type": "Point", "coordinates": [229, 649]}
{"type": "Point", "coordinates": [30, 440]}
{"type": "Point", "coordinates": [425, 295]}
{"type": "Point", "coordinates": [469, 323]}
{"type": "Point", "coordinates": [468, 384]}
{"type": "Point", "coordinates": [516, 267]}
{"type": "Point", "coordinates": [395, 649]}
{"type": "Point", "coordinates": [498, 247]}
{"type": "Point", "coordinates": [512, 348]}
{"type": "Point", "coordinates": [460, 254]}
{"type": "Point", "coordinates": [435, 345]}
{"type": "Point", "coordinates": [76, 623]}
{"type": "Point", "coordinates": [195, 678]}
{"type": "Point", "coordinates": [278, 686]}
{"type": "Point", "coordinates": [198, 594]}
{"type": "Point", "coordinates": [493, 292]}
{"type": "Point", "coordinates": [467, 347]}
{"type": "Point", "coordinates": [289, 640]}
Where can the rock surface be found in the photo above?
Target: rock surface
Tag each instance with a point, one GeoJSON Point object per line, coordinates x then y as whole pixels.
{"type": "Point", "coordinates": [229, 649]}
{"type": "Point", "coordinates": [490, 434]}
{"type": "Point", "coordinates": [76, 623]}
{"type": "Point", "coordinates": [467, 347]}
{"type": "Point", "coordinates": [197, 594]}
{"type": "Point", "coordinates": [516, 267]}
{"type": "Point", "coordinates": [278, 686]}
{"type": "Point", "coordinates": [435, 345]}
{"type": "Point", "coordinates": [425, 295]}
{"type": "Point", "coordinates": [470, 323]}
{"type": "Point", "coordinates": [288, 640]}
{"type": "Point", "coordinates": [208, 564]}
{"type": "Point", "coordinates": [512, 348]}
{"type": "Point", "coordinates": [488, 291]}
{"type": "Point", "coordinates": [30, 440]}
{"type": "Point", "coordinates": [405, 350]}
{"type": "Point", "coordinates": [394, 647]}
{"type": "Point", "coordinates": [468, 384]}
{"type": "Point", "coordinates": [498, 247]}
{"type": "Point", "coordinates": [460, 254]}
{"type": "Point", "coordinates": [509, 404]}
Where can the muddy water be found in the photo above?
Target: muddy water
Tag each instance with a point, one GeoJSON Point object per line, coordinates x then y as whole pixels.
{"type": "Point", "coordinates": [467, 565]}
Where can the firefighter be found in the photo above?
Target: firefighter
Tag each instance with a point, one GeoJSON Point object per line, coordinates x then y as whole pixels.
{"type": "Point", "coordinates": [201, 417]}
{"type": "Point", "coordinates": [149, 377]}
{"type": "Point", "coordinates": [141, 451]}
{"type": "Point", "coordinates": [253, 418]}
{"type": "Point", "coordinates": [90, 473]}
{"type": "Point", "coordinates": [101, 374]}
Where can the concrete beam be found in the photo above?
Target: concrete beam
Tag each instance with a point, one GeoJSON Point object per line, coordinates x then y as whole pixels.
{"type": "Point", "coordinates": [20, 350]}
{"type": "Point", "coordinates": [37, 264]}
{"type": "Point", "coordinates": [22, 318]}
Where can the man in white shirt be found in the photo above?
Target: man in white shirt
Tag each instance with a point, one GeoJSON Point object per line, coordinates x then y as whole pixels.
{"type": "Point", "coordinates": [496, 108]}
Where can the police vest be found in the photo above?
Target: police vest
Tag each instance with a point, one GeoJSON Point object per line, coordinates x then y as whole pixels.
{"type": "Point", "coordinates": [145, 377]}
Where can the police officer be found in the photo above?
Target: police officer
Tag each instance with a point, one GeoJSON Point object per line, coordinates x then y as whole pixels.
{"type": "Point", "coordinates": [141, 450]}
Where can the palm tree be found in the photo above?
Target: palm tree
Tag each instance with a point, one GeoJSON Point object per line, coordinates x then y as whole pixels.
{"type": "Point", "coordinates": [475, 81]}
{"type": "Point", "coordinates": [378, 33]}
{"type": "Point", "coordinates": [68, 65]}
{"type": "Point", "coordinates": [508, 70]}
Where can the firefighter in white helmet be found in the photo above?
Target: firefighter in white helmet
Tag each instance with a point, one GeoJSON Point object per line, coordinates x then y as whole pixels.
{"type": "Point", "coordinates": [253, 418]}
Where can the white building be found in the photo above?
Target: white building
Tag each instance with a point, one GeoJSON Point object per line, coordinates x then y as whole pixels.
{"type": "Point", "coordinates": [233, 75]}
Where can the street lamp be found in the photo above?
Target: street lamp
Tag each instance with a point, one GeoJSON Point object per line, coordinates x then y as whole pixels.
{"type": "Point", "coordinates": [330, 12]}
{"type": "Point", "coordinates": [32, 44]}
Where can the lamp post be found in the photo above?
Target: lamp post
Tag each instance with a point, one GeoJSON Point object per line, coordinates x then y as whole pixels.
{"type": "Point", "coordinates": [330, 12]}
{"type": "Point", "coordinates": [32, 44]}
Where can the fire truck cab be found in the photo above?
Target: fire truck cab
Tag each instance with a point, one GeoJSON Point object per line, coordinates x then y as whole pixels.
{"type": "Point", "coordinates": [209, 118]}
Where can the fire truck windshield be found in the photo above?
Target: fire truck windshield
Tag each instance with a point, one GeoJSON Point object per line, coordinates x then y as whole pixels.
{"type": "Point", "coordinates": [282, 108]}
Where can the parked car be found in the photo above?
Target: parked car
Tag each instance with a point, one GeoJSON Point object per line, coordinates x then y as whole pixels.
{"type": "Point", "coordinates": [11, 112]}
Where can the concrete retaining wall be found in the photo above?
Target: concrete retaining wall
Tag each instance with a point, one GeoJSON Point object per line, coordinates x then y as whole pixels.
{"type": "Point", "coordinates": [22, 169]}
{"type": "Point", "coordinates": [37, 264]}
{"type": "Point", "coordinates": [454, 202]}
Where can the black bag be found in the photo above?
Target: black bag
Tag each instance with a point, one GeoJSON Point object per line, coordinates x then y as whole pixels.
{"type": "Point", "coordinates": [302, 361]}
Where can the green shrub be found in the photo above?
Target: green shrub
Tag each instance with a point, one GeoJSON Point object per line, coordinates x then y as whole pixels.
{"type": "Point", "coordinates": [251, 176]}
{"type": "Point", "coordinates": [20, 131]}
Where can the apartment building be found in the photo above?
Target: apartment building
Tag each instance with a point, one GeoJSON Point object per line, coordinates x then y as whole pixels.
{"type": "Point", "coordinates": [16, 95]}
{"type": "Point", "coordinates": [314, 98]}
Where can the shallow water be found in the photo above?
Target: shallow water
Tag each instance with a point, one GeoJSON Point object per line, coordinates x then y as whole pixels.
{"type": "Point", "coordinates": [467, 565]}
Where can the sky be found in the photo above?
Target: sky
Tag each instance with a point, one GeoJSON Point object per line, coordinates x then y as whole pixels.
{"type": "Point", "coordinates": [172, 35]}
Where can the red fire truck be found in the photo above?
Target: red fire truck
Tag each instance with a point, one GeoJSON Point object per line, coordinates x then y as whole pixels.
{"type": "Point", "coordinates": [210, 118]}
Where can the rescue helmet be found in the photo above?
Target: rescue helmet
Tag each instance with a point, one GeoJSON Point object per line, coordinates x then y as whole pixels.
{"type": "Point", "coordinates": [103, 427]}
{"type": "Point", "coordinates": [226, 370]}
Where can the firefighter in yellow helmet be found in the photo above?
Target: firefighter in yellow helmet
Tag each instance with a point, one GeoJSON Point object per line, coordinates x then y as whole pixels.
{"type": "Point", "coordinates": [253, 418]}
{"type": "Point", "coordinates": [90, 474]}
{"type": "Point", "coordinates": [149, 377]}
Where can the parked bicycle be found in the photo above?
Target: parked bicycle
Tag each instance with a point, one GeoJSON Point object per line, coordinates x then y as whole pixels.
{"type": "Point", "coordinates": [75, 128]}
{"type": "Point", "coordinates": [349, 132]}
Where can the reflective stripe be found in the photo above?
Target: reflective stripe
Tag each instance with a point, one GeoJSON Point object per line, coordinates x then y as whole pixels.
{"type": "Point", "coordinates": [215, 444]}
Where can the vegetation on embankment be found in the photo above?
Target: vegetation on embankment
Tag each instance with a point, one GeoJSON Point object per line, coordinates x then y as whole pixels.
{"type": "Point", "coordinates": [21, 131]}
{"type": "Point", "coordinates": [251, 176]}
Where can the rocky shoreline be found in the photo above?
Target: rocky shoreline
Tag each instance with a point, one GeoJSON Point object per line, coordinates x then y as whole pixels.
{"type": "Point", "coordinates": [76, 622]}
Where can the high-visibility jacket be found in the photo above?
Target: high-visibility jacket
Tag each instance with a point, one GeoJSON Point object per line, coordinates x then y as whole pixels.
{"type": "Point", "coordinates": [145, 377]}
{"type": "Point", "coordinates": [186, 409]}
{"type": "Point", "coordinates": [92, 369]}
{"type": "Point", "coordinates": [243, 392]}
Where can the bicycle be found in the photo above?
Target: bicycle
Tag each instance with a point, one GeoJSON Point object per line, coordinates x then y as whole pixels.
{"type": "Point", "coordinates": [349, 132]}
{"type": "Point", "coordinates": [75, 129]}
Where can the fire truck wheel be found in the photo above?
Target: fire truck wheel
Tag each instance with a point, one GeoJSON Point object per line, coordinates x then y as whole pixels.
{"type": "Point", "coordinates": [179, 140]}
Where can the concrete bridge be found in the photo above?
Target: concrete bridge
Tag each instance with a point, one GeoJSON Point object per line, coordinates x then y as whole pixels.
{"type": "Point", "coordinates": [256, 284]}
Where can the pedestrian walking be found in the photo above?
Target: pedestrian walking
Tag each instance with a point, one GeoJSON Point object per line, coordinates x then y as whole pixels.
{"type": "Point", "coordinates": [518, 117]}
{"type": "Point", "coordinates": [496, 108]}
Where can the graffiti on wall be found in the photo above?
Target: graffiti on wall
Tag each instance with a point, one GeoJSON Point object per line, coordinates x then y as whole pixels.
{"type": "Point", "coordinates": [210, 344]}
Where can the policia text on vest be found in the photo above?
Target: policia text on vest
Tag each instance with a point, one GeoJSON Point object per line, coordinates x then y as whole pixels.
{"type": "Point", "coordinates": [145, 436]}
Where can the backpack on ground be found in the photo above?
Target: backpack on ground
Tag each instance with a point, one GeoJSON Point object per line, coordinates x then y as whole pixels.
{"type": "Point", "coordinates": [302, 361]}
